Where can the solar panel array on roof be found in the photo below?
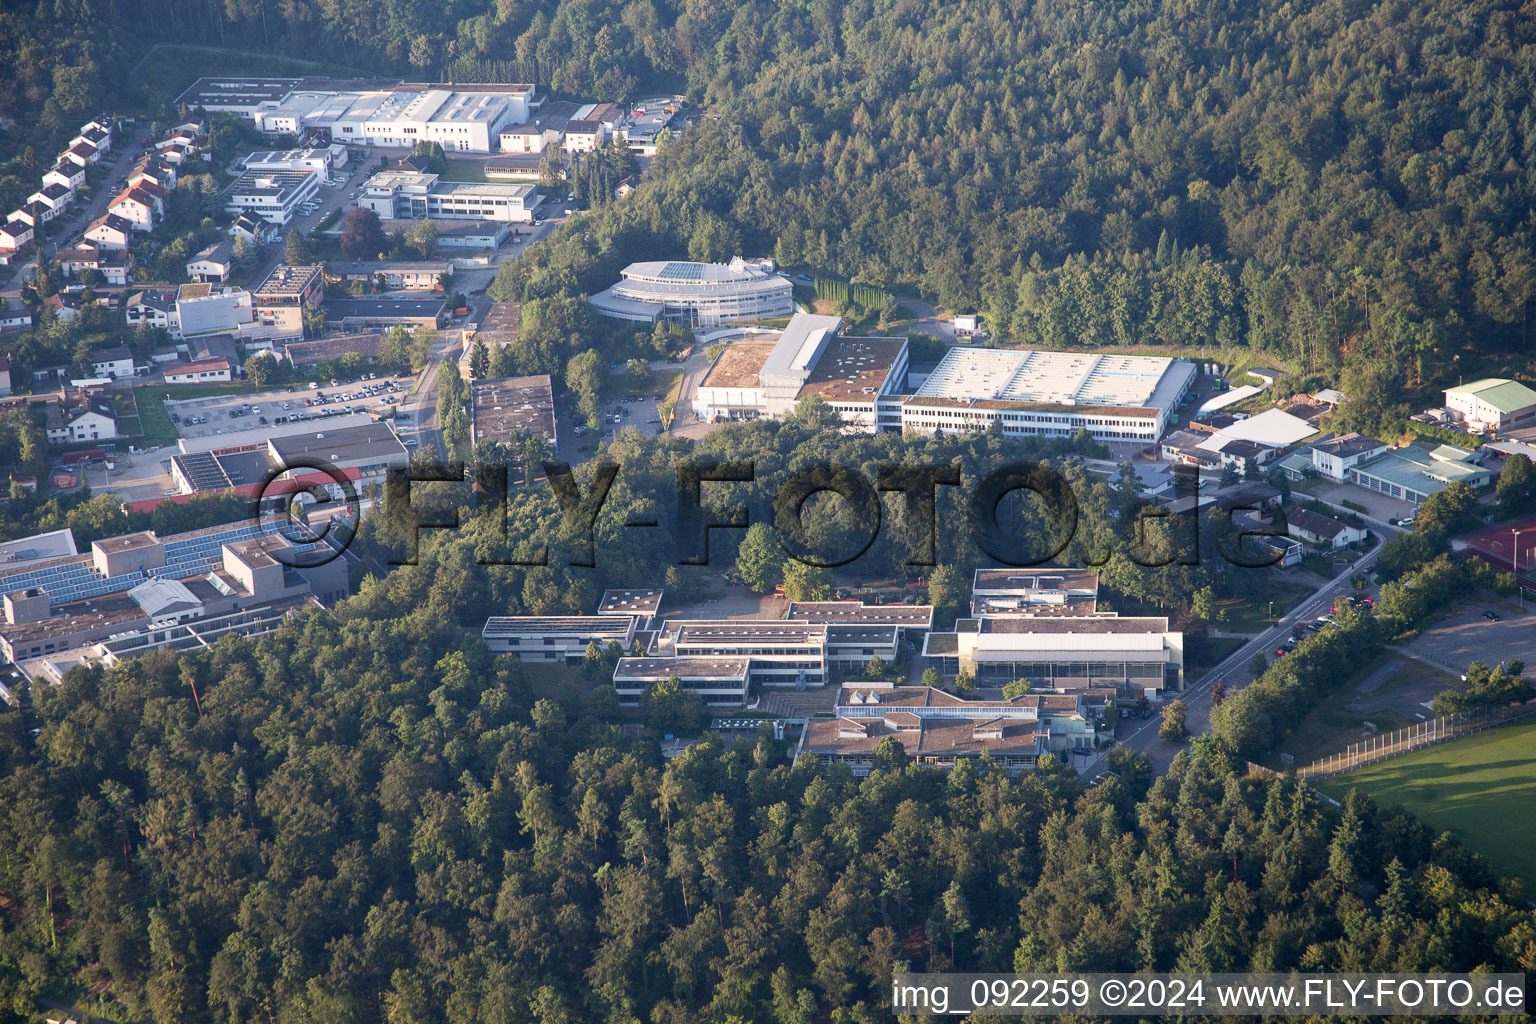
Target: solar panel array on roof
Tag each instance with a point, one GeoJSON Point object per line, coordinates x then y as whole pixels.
{"type": "Point", "coordinates": [683, 271]}
{"type": "Point", "coordinates": [202, 471]}
{"type": "Point", "coordinates": [72, 581]}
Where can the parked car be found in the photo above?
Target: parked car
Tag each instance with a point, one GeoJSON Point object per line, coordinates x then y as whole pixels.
{"type": "Point", "coordinates": [1491, 616]}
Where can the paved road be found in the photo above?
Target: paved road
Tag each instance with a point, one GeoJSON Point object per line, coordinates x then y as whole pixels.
{"type": "Point", "coordinates": [65, 231]}
{"type": "Point", "coordinates": [420, 409]}
{"type": "Point", "coordinates": [1197, 698]}
{"type": "Point", "coordinates": [928, 321]}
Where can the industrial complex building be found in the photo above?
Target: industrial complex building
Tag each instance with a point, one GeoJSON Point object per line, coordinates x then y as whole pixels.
{"type": "Point", "coordinates": [1045, 626]}
{"type": "Point", "coordinates": [137, 592]}
{"type": "Point", "coordinates": [409, 195]}
{"type": "Point", "coordinates": [765, 375]}
{"type": "Point", "coordinates": [937, 729]}
{"type": "Point", "coordinates": [505, 408]}
{"type": "Point", "coordinates": [466, 118]}
{"type": "Point", "coordinates": [360, 453]}
{"type": "Point", "coordinates": [1051, 394]}
{"type": "Point", "coordinates": [1128, 399]}
{"type": "Point", "coordinates": [697, 294]}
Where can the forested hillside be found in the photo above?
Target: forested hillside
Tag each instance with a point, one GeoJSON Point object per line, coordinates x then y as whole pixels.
{"type": "Point", "coordinates": [367, 817]}
{"type": "Point", "coordinates": [1335, 184]}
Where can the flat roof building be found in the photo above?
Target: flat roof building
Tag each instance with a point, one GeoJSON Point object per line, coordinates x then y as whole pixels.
{"type": "Point", "coordinates": [1044, 625]}
{"type": "Point", "coordinates": [274, 196]}
{"type": "Point", "coordinates": [381, 311]}
{"type": "Point", "coordinates": [1412, 473]}
{"type": "Point", "coordinates": [561, 639]}
{"type": "Point", "coordinates": [411, 195]}
{"type": "Point", "coordinates": [503, 408]}
{"type": "Point", "coordinates": [141, 591]}
{"type": "Point", "coordinates": [464, 118]}
{"type": "Point", "coordinates": [1052, 394]}
{"type": "Point", "coordinates": [697, 294]}
{"type": "Point", "coordinates": [717, 681]}
{"type": "Point", "coordinates": [766, 376]}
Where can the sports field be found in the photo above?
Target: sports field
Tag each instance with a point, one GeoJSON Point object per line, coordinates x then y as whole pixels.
{"type": "Point", "coordinates": [1482, 789]}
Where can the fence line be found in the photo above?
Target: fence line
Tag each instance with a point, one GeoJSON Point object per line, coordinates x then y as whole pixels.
{"type": "Point", "coordinates": [1411, 738]}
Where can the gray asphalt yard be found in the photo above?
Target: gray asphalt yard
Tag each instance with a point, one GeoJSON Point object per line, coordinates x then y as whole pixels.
{"type": "Point", "coordinates": [1466, 636]}
{"type": "Point", "coordinates": [228, 414]}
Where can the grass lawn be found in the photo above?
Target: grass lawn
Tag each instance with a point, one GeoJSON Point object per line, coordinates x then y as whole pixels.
{"type": "Point", "coordinates": [465, 170]}
{"type": "Point", "coordinates": [179, 392]}
{"type": "Point", "coordinates": [155, 422]}
{"type": "Point", "coordinates": [1477, 788]}
{"type": "Point", "coordinates": [1254, 616]}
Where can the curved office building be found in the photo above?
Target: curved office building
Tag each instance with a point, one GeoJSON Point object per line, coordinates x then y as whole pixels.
{"type": "Point", "coordinates": [697, 294]}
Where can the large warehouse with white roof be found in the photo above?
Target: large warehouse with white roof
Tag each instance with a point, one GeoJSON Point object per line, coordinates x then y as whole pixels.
{"type": "Point", "coordinates": [1056, 394]}
{"type": "Point", "coordinates": [1053, 394]}
{"type": "Point", "coordinates": [464, 118]}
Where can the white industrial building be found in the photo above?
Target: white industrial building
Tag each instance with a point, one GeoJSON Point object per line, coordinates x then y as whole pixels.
{"type": "Point", "coordinates": [465, 118]}
{"type": "Point", "coordinates": [1494, 403]}
{"type": "Point", "coordinates": [697, 294]}
{"type": "Point", "coordinates": [407, 195]}
{"type": "Point", "coordinates": [765, 375]}
{"type": "Point", "coordinates": [1044, 625]}
{"type": "Point", "coordinates": [1052, 394]}
{"type": "Point", "coordinates": [274, 196]}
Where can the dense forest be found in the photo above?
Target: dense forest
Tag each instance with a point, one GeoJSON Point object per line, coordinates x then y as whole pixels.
{"type": "Point", "coordinates": [365, 816]}
{"type": "Point", "coordinates": [368, 817]}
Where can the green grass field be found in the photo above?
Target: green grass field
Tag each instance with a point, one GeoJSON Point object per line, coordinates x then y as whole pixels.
{"type": "Point", "coordinates": [465, 170]}
{"type": "Point", "coordinates": [1478, 788]}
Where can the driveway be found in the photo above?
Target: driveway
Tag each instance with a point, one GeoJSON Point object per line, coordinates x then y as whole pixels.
{"type": "Point", "coordinates": [929, 320]}
{"type": "Point", "coordinates": [686, 423]}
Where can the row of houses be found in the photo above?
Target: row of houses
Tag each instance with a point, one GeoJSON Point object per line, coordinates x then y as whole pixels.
{"type": "Point", "coordinates": [60, 186]}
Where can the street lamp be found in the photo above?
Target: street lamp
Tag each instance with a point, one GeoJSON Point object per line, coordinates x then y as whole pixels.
{"type": "Point", "coordinates": [1514, 557]}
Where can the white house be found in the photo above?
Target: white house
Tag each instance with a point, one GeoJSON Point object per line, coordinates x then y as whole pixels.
{"type": "Point", "coordinates": [585, 136]}
{"type": "Point", "coordinates": [112, 362]}
{"type": "Point", "coordinates": [110, 232]}
{"type": "Point", "coordinates": [138, 206]}
{"type": "Point", "coordinates": [81, 153]}
{"type": "Point", "coordinates": [101, 123]}
{"type": "Point", "coordinates": [152, 308]}
{"type": "Point", "coordinates": [113, 264]}
{"type": "Point", "coordinates": [249, 227]}
{"type": "Point", "coordinates": [96, 136]}
{"type": "Point", "coordinates": [71, 176]}
{"type": "Point", "coordinates": [214, 264]}
{"type": "Point", "coordinates": [15, 235]}
{"type": "Point", "coordinates": [1335, 457]}
{"type": "Point", "coordinates": [52, 200]}
{"type": "Point", "coordinates": [155, 171]}
{"type": "Point", "coordinates": [1315, 528]}
{"type": "Point", "coordinates": [65, 308]}
{"type": "Point", "coordinates": [204, 372]}
{"type": "Point", "coordinates": [80, 418]}
{"type": "Point", "coordinates": [14, 318]}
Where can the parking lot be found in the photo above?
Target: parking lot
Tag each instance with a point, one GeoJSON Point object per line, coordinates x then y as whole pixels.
{"type": "Point", "coordinates": [228, 414]}
{"type": "Point", "coordinates": [639, 412]}
{"type": "Point", "coordinates": [1455, 642]}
